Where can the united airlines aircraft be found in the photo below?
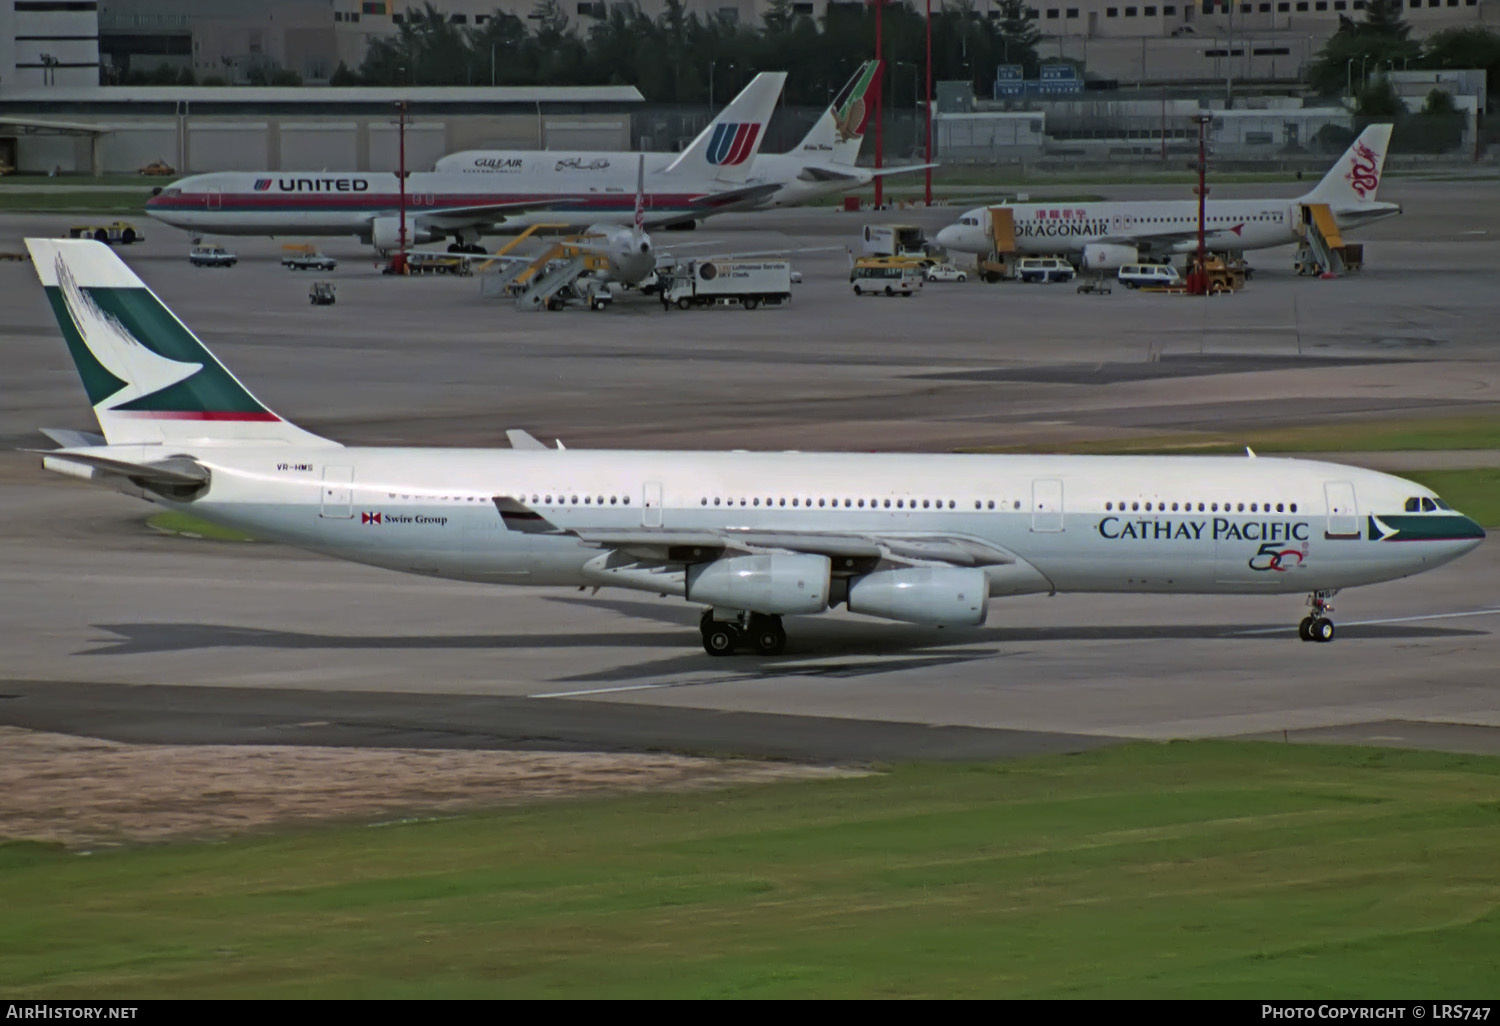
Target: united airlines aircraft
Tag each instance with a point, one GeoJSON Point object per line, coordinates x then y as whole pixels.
{"type": "Point", "coordinates": [751, 537]}
{"type": "Point", "coordinates": [707, 178]}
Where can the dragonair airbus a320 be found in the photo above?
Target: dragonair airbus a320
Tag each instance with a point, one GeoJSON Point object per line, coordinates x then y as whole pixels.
{"type": "Point", "coordinates": [927, 539]}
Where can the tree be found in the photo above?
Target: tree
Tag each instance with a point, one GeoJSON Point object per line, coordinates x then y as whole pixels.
{"type": "Point", "coordinates": [1378, 99]}
{"type": "Point", "coordinates": [342, 76]}
{"type": "Point", "coordinates": [1469, 47]}
{"type": "Point", "coordinates": [1383, 17]}
{"type": "Point", "coordinates": [285, 77]}
{"type": "Point", "coordinates": [1018, 35]}
{"type": "Point", "coordinates": [1439, 102]}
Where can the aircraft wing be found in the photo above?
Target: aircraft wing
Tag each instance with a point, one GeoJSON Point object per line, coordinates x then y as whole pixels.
{"type": "Point", "coordinates": [485, 213]}
{"type": "Point", "coordinates": [843, 173]}
{"type": "Point", "coordinates": [727, 199]}
{"type": "Point", "coordinates": [852, 552]}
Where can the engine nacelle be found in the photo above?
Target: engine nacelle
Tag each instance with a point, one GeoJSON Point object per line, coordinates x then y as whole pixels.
{"type": "Point", "coordinates": [775, 583]}
{"type": "Point", "coordinates": [959, 596]}
{"type": "Point", "coordinates": [385, 233]}
{"type": "Point", "coordinates": [1107, 256]}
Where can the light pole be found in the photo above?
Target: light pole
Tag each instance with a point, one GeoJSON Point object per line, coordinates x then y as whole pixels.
{"type": "Point", "coordinates": [401, 175]}
{"type": "Point", "coordinates": [927, 196]}
{"type": "Point", "coordinates": [1349, 78]}
{"type": "Point", "coordinates": [879, 106]}
{"type": "Point", "coordinates": [492, 64]}
{"type": "Point", "coordinates": [711, 65]}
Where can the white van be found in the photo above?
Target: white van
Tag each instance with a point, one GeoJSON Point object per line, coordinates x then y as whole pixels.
{"type": "Point", "coordinates": [1133, 276]}
{"type": "Point", "coordinates": [1044, 269]}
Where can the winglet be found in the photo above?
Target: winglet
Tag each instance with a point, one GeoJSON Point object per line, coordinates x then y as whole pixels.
{"type": "Point", "coordinates": [1249, 452]}
{"type": "Point", "coordinates": [522, 439]}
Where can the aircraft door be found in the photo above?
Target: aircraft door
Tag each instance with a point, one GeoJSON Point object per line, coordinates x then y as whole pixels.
{"type": "Point", "coordinates": [338, 493]}
{"type": "Point", "coordinates": [651, 504]}
{"type": "Point", "coordinates": [1047, 505]}
{"type": "Point", "coordinates": [1343, 512]}
{"type": "Point", "coordinates": [215, 198]}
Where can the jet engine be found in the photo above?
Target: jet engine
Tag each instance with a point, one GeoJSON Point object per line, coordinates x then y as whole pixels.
{"type": "Point", "coordinates": [779, 582]}
{"type": "Point", "coordinates": [385, 233]}
{"type": "Point", "coordinates": [1106, 256]}
{"type": "Point", "coordinates": [958, 596]}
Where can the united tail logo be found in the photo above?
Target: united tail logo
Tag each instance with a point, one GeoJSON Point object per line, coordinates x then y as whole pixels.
{"type": "Point", "coordinates": [732, 143]}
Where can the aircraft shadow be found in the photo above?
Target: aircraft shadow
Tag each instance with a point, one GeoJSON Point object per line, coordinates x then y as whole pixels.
{"type": "Point", "coordinates": [810, 638]}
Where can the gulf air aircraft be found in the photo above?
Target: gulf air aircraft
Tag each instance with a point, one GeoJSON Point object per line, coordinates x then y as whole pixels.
{"type": "Point", "coordinates": [1104, 236]}
{"type": "Point", "coordinates": [544, 187]}
{"type": "Point", "coordinates": [822, 164]}
{"type": "Point", "coordinates": [750, 537]}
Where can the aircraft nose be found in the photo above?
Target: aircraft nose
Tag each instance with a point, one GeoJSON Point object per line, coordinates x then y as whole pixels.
{"type": "Point", "coordinates": [950, 237]}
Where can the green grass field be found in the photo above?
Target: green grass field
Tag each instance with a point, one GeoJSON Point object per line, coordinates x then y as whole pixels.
{"type": "Point", "coordinates": [81, 201]}
{"type": "Point", "coordinates": [189, 526]}
{"type": "Point", "coordinates": [1385, 435]}
{"type": "Point", "coordinates": [1182, 870]}
{"type": "Point", "coordinates": [1475, 493]}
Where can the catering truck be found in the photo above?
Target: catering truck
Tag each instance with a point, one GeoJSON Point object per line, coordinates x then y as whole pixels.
{"type": "Point", "coordinates": [726, 280]}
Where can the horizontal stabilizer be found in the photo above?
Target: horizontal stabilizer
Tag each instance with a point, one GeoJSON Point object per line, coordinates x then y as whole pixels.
{"type": "Point", "coordinates": [73, 439]}
{"type": "Point", "coordinates": [174, 472]}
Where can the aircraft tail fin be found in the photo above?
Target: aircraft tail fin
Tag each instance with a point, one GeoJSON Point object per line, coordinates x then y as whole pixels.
{"type": "Point", "coordinates": [1356, 176]}
{"type": "Point", "coordinates": [836, 135]}
{"type": "Point", "coordinates": [150, 380]}
{"type": "Point", "coordinates": [727, 147]}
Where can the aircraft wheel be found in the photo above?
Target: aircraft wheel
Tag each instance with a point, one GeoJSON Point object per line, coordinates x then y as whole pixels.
{"type": "Point", "coordinates": [720, 639]}
{"type": "Point", "coordinates": [1304, 629]}
{"type": "Point", "coordinates": [767, 635]}
{"type": "Point", "coordinates": [1321, 629]}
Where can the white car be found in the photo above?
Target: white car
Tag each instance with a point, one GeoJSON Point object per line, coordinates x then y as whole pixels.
{"type": "Point", "coordinates": [945, 272]}
{"type": "Point", "coordinates": [1044, 269]}
{"type": "Point", "coordinates": [211, 256]}
{"type": "Point", "coordinates": [1133, 276]}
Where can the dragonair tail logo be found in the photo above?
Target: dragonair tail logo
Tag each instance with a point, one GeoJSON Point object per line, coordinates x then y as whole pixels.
{"type": "Point", "coordinates": [143, 370]}
{"type": "Point", "coordinates": [1364, 170]}
{"type": "Point", "coordinates": [732, 143]}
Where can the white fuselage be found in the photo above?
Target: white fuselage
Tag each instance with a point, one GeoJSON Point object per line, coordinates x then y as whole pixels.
{"type": "Point", "coordinates": [1229, 225]}
{"type": "Point", "coordinates": [1066, 523]}
{"type": "Point", "coordinates": [789, 172]}
{"type": "Point", "coordinates": [576, 190]}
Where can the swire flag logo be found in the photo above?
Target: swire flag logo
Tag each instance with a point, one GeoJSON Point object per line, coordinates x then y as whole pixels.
{"type": "Point", "coordinates": [732, 143]}
{"type": "Point", "coordinates": [262, 184]}
{"type": "Point", "coordinates": [369, 518]}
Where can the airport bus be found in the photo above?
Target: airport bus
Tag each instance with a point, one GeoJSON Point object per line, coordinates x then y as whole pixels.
{"type": "Point", "coordinates": [886, 277]}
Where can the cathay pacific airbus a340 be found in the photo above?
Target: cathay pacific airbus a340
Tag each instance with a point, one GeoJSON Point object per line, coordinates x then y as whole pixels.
{"type": "Point", "coordinates": [752, 537]}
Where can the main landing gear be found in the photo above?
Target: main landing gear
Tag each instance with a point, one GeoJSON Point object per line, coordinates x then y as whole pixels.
{"type": "Point", "coordinates": [1317, 626]}
{"type": "Point", "coordinates": [748, 630]}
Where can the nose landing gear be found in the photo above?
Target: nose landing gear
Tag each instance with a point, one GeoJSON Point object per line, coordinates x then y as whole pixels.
{"type": "Point", "coordinates": [755, 630]}
{"type": "Point", "coordinates": [1317, 626]}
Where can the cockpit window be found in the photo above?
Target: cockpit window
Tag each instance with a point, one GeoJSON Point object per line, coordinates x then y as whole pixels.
{"type": "Point", "coordinates": [1413, 504]}
{"type": "Point", "coordinates": [1428, 505]}
{"type": "Point", "coordinates": [969, 221]}
{"type": "Point", "coordinates": [172, 192]}
{"type": "Point", "coordinates": [1441, 504]}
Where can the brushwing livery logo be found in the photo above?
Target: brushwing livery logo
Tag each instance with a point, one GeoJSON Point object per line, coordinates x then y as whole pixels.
{"type": "Point", "coordinates": [732, 143]}
{"type": "Point", "coordinates": [1364, 174]}
{"type": "Point", "coordinates": [262, 184]}
{"type": "Point", "coordinates": [143, 370]}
